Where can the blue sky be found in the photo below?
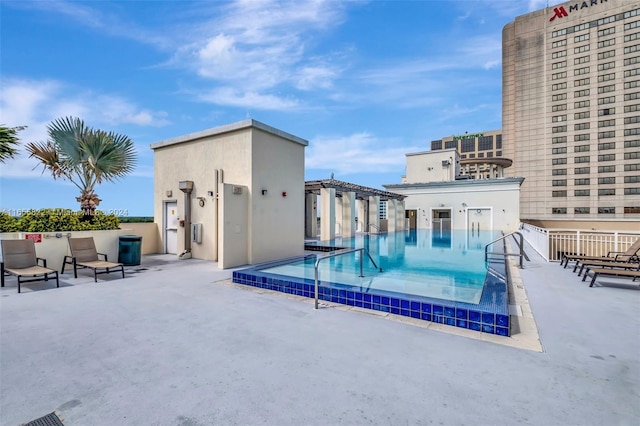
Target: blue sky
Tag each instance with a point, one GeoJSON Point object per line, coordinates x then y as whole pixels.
{"type": "Point", "coordinates": [364, 82]}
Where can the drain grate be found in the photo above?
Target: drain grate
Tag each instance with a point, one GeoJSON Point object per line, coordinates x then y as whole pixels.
{"type": "Point", "coordinates": [48, 420]}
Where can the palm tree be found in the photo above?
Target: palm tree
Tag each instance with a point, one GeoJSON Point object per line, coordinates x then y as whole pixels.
{"type": "Point", "coordinates": [84, 156]}
{"type": "Point", "coordinates": [9, 141]}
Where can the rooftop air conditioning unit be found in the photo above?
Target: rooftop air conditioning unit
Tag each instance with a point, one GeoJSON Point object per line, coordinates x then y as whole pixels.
{"type": "Point", "coordinates": [445, 163]}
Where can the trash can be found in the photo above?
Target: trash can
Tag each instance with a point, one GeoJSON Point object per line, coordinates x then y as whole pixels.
{"type": "Point", "coordinates": [129, 249]}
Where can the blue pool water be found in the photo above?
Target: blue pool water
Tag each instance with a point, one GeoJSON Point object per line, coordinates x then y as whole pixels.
{"type": "Point", "coordinates": [431, 275]}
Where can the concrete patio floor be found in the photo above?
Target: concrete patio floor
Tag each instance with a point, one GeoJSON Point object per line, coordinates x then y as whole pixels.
{"type": "Point", "coordinates": [175, 343]}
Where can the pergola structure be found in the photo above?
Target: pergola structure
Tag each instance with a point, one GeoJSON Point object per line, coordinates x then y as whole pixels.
{"type": "Point", "coordinates": [338, 204]}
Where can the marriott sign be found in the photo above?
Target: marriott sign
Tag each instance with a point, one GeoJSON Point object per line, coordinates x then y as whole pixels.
{"type": "Point", "coordinates": [561, 12]}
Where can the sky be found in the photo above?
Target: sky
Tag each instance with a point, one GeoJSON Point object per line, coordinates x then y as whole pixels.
{"type": "Point", "coordinates": [365, 82]}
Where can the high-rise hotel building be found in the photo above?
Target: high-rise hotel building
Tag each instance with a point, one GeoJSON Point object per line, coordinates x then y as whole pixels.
{"type": "Point", "coordinates": [571, 110]}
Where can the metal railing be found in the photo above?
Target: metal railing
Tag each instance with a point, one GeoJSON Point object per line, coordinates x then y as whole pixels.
{"type": "Point", "coordinates": [520, 244]}
{"type": "Point", "coordinates": [377, 228]}
{"type": "Point", "coordinates": [340, 253]}
{"type": "Point", "coordinates": [551, 244]}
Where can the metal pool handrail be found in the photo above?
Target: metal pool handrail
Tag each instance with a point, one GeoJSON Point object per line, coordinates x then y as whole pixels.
{"type": "Point", "coordinates": [522, 254]}
{"type": "Point", "coordinates": [340, 253]}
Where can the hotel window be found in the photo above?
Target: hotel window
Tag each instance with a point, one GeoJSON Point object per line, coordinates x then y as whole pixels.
{"type": "Point", "coordinates": [581, 93]}
{"type": "Point", "coordinates": [606, 146]}
{"type": "Point", "coordinates": [606, 210]}
{"type": "Point", "coordinates": [581, 27]}
{"type": "Point", "coordinates": [559, 129]}
{"type": "Point", "coordinates": [557, 65]}
{"type": "Point", "coordinates": [481, 155]}
{"type": "Point", "coordinates": [606, 31]}
{"type": "Point", "coordinates": [559, 172]}
{"type": "Point", "coordinates": [559, 139]}
{"type": "Point", "coordinates": [632, 144]}
{"type": "Point", "coordinates": [631, 210]}
{"type": "Point", "coordinates": [583, 159]}
{"type": "Point", "coordinates": [606, 191]}
{"type": "Point", "coordinates": [489, 154]}
{"type": "Point", "coordinates": [632, 108]}
{"type": "Point", "coordinates": [632, 132]}
{"type": "Point", "coordinates": [606, 20]}
{"type": "Point", "coordinates": [606, 111]}
{"type": "Point", "coordinates": [607, 54]}
{"type": "Point", "coordinates": [632, 72]}
{"type": "Point", "coordinates": [631, 61]}
{"type": "Point", "coordinates": [607, 100]}
{"type": "Point", "coordinates": [559, 97]}
{"type": "Point", "coordinates": [581, 38]}
{"type": "Point", "coordinates": [582, 170]}
{"type": "Point", "coordinates": [607, 134]}
{"type": "Point", "coordinates": [606, 89]}
{"type": "Point", "coordinates": [607, 123]}
{"type": "Point", "coordinates": [581, 60]}
{"type": "Point", "coordinates": [558, 43]}
{"type": "Point", "coordinates": [499, 143]}
{"type": "Point", "coordinates": [558, 118]}
{"type": "Point", "coordinates": [555, 161]}
{"type": "Point", "coordinates": [583, 137]}
{"type": "Point", "coordinates": [631, 96]}
{"type": "Point", "coordinates": [559, 33]}
{"type": "Point", "coordinates": [632, 155]}
{"type": "Point", "coordinates": [499, 153]}
{"type": "Point", "coordinates": [450, 144]}
{"type": "Point", "coordinates": [606, 43]}
{"type": "Point", "coordinates": [631, 84]}
{"type": "Point", "coordinates": [559, 182]}
{"type": "Point", "coordinates": [581, 82]}
{"type": "Point", "coordinates": [632, 120]}
{"type": "Point", "coordinates": [562, 150]}
{"type": "Point", "coordinates": [631, 167]}
{"type": "Point", "coordinates": [631, 191]}
{"type": "Point", "coordinates": [581, 115]}
{"type": "Point", "coordinates": [606, 169]}
{"type": "Point", "coordinates": [558, 54]}
{"type": "Point", "coordinates": [581, 71]}
{"type": "Point", "coordinates": [559, 75]}
{"type": "Point", "coordinates": [581, 126]}
{"type": "Point", "coordinates": [485, 143]}
{"type": "Point", "coordinates": [606, 66]}
{"type": "Point", "coordinates": [468, 145]}
{"type": "Point", "coordinates": [581, 104]}
{"type": "Point", "coordinates": [583, 181]}
{"type": "Point", "coordinates": [606, 157]}
{"type": "Point", "coordinates": [559, 86]}
{"type": "Point", "coordinates": [631, 25]}
{"type": "Point", "coordinates": [472, 156]}
{"type": "Point", "coordinates": [631, 13]}
{"type": "Point", "coordinates": [436, 145]}
{"type": "Point", "coordinates": [581, 210]}
{"type": "Point", "coordinates": [609, 180]}
{"type": "Point", "coordinates": [561, 107]}
{"type": "Point", "coordinates": [581, 148]}
{"type": "Point", "coordinates": [559, 194]}
{"type": "Point", "coordinates": [631, 49]}
{"type": "Point", "coordinates": [581, 49]}
{"type": "Point", "coordinates": [632, 37]}
{"type": "Point", "coordinates": [631, 179]}
{"type": "Point", "coordinates": [558, 210]}
{"type": "Point", "coordinates": [606, 77]}
{"type": "Point", "coordinates": [581, 193]}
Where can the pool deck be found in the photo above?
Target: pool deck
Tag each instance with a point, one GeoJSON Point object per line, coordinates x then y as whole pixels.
{"type": "Point", "coordinates": [176, 343]}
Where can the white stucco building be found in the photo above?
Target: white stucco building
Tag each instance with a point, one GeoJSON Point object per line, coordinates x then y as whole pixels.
{"type": "Point", "coordinates": [234, 194]}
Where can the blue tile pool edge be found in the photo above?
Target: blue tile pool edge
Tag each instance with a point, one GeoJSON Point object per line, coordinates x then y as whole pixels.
{"type": "Point", "coordinates": [457, 314]}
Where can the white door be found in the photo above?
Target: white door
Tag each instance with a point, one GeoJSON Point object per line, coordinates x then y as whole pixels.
{"type": "Point", "coordinates": [171, 227]}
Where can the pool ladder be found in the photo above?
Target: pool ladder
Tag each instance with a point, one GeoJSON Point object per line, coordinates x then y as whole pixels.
{"type": "Point", "coordinates": [340, 253]}
{"type": "Point", "coordinates": [520, 244]}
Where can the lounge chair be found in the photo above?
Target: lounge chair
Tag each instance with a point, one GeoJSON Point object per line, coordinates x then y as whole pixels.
{"type": "Point", "coordinates": [85, 255]}
{"type": "Point", "coordinates": [19, 259]}
{"type": "Point", "coordinates": [590, 264]}
{"type": "Point", "coordinates": [634, 273]}
{"type": "Point", "coordinates": [613, 256]}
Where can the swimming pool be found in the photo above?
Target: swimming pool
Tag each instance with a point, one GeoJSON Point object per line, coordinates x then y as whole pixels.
{"type": "Point", "coordinates": [430, 275]}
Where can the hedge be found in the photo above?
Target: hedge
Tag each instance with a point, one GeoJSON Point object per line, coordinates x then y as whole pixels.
{"type": "Point", "coordinates": [54, 220]}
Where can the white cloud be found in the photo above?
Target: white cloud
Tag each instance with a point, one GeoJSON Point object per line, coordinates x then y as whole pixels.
{"type": "Point", "coordinates": [245, 99]}
{"type": "Point", "coordinates": [356, 153]}
{"type": "Point", "coordinates": [35, 103]}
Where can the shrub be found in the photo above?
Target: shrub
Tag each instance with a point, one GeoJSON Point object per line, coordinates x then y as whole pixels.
{"type": "Point", "coordinates": [8, 223]}
{"type": "Point", "coordinates": [55, 220]}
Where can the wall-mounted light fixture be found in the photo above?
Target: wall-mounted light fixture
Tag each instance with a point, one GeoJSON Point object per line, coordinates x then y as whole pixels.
{"type": "Point", "coordinates": [201, 201]}
{"type": "Point", "coordinates": [264, 192]}
{"type": "Point", "coordinates": [168, 193]}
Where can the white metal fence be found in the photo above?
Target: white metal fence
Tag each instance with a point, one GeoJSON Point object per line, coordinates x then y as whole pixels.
{"type": "Point", "coordinates": [551, 244]}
